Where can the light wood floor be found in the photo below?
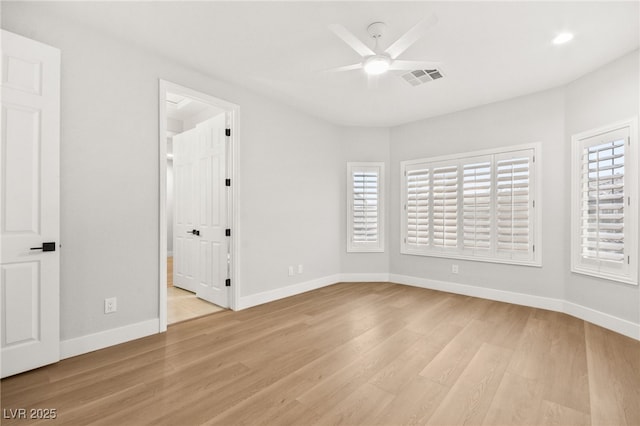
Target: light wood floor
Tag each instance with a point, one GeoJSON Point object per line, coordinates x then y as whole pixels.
{"type": "Point", "coordinates": [183, 305]}
{"type": "Point", "coordinates": [370, 353]}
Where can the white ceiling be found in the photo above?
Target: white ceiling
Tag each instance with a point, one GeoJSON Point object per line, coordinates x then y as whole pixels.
{"type": "Point", "coordinates": [489, 50]}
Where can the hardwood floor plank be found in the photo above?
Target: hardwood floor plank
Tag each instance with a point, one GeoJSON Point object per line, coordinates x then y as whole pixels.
{"type": "Point", "coordinates": [452, 360]}
{"type": "Point", "coordinates": [414, 404]}
{"type": "Point", "coordinates": [614, 377]}
{"type": "Point", "coordinates": [470, 397]}
{"type": "Point", "coordinates": [552, 414]}
{"type": "Point", "coordinates": [517, 402]}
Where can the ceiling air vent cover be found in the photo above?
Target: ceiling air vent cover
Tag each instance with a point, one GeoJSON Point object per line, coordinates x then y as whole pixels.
{"type": "Point", "coordinates": [418, 77]}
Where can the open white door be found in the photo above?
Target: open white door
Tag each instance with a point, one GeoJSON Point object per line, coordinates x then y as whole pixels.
{"type": "Point", "coordinates": [29, 216]}
{"type": "Point", "coordinates": [200, 216]}
{"type": "Point", "coordinates": [185, 245]}
{"type": "Point", "coordinates": [212, 215]}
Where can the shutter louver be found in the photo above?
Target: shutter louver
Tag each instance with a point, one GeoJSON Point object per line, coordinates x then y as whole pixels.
{"type": "Point", "coordinates": [512, 205]}
{"type": "Point", "coordinates": [365, 206]}
{"type": "Point", "coordinates": [602, 202]}
{"type": "Point", "coordinates": [445, 206]}
{"type": "Point", "coordinates": [476, 210]}
{"type": "Point", "coordinates": [417, 208]}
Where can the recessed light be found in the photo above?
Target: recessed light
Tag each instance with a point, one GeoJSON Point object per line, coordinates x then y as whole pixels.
{"type": "Point", "coordinates": [562, 38]}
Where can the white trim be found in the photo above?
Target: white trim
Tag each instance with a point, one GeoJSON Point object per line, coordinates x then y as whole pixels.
{"type": "Point", "coordinates": [364, 278]}
{"type": "Point", "coordinates": [233, 112]}
{"type": "Point", "coordinates": [102, 339]}
{"type": "Point", "coordinates": [169, 253]}
{"type": "Point", "coordinates": [628, 274]}
{"type": "Point", "coordinates": [610, 322]}
{"type": "Point", "coordinates": [292, 290]}
{"type": "Point", "coordinates": [602, 319]}
{"type": "Point", "coordinates": [373, 246]}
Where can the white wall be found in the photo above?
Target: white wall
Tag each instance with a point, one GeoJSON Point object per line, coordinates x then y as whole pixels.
{"type": "Point", "coordinates": [109, 216]}
{"type": "Point", "coordinates": [534, 118]}
{"type": "Point", "coordinates": [605, 96]}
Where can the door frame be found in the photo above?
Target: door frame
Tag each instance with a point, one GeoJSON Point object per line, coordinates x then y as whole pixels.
{"type": "Point", "coordinates": [233, 112]}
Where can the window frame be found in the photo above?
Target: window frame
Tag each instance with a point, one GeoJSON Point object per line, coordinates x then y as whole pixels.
{"type": "Point", "coordinates": [599, 268]}
{"type": "Point", "coordinates": [374, 246]}
{"type": "Point", "coordinates": [466, 158]}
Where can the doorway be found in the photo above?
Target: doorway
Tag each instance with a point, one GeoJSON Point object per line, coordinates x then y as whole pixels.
{"type": "Point", "coordinates": [197, 214]}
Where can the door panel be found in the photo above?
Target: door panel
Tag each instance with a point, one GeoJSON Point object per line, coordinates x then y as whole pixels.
{"type": "Point", "coordinates": [29, 185]}
{"type": "Point", "coordinates": [213, 211]}
{"type": "Point", "coordinates": [185, 197]}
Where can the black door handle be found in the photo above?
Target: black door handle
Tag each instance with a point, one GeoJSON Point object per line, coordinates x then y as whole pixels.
{"type": "Point", "coordinates": [46, 247]}
{"type": "Point", "coordinates": [194, 232]}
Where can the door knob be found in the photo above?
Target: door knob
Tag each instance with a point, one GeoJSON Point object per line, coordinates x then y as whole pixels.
{"type": "Point", "coordinates": [194, 232]}
{"type": "Point", "coordinates": [46, 247]}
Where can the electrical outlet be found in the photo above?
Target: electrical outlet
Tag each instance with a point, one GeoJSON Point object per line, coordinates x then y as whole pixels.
{"type": "Point", "coordinates": [110, 305]}
{"type": "Point", "coordinates": [290, 271]}
{"type": "Point", "coordinates": [300, 269]}
{"type": "Point", "coordinates": [454, 268]}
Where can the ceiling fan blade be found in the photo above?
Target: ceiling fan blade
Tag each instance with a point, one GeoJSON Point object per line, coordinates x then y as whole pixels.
{"type": "Point", "coordinates": [346, 68]}
{"type": "Point", "coordinates": [411, 36]}
{"type": "Point", "coordinates": [351, 40]}
{"type": "Point", "coordinates": [413, 65]}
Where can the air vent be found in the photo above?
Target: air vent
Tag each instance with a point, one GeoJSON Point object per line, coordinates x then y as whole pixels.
{"type": "Point", "coordinates": [418, 77]}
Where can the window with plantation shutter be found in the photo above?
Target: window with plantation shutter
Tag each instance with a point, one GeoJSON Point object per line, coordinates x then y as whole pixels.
{"type": "Point", "coordinates": [604, 230]}
{"type": "Point", "coordinates": [364, 198]}
{"type": "Point", "coordinates": [417, 206]}
{"type": "Point", "coordinates": [514, 204]}
{"type": "Point", "coordinates": [445, 206]}
{"type": "Point", "coordinates": [477, 206]}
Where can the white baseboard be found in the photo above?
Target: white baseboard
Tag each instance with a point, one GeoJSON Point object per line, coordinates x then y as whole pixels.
{"type": "Point", "coordinates": [281, 293]}
{"type": "Point", "coordinates": [102, 339]}
{"type": "Point", "coordinates": [602, 319]}
{"type": "Point", "coordinates": [170, 253]}
{"type": "Point", "coordinates": [607, 321]}
{"type": "Point", "coordinates": [364, 278]}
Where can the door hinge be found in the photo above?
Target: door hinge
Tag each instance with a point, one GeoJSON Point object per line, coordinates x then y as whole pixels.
{"type": "Point", "coordinates": [227, 182]}
{"type": "Point", "coordinates": [534, 158]}
{"type": "Point", "coordinates": [227, 282]}
{"type": "Point", "coordinates": [227, 232]}
{"type": "Point", "coordinates": [534, 248]}
{"type": "Point", "coordinates": [227, 132]}
{"type": "Point", "coordinates": [534, 204]}
{"type": "Point", "coordinates": [628, 260]}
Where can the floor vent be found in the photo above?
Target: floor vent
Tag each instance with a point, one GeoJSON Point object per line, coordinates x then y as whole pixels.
{"type": "Point", "coordinates": [418, 77]}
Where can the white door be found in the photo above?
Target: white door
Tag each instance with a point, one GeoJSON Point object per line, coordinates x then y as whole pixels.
{"type": "Point", "coordinates": [185, 249]}
{"type": "Point", "coordinates": [29, 216]}
{"type": "Point", "coordinates": [212, 214]}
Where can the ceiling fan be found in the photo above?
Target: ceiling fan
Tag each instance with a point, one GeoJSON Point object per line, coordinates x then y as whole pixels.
{"type": "Point", "coordinates": [374, 61]}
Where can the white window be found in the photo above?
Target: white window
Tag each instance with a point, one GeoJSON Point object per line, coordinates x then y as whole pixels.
{"type": "Point", "coordinates": [365, 218]}
{"type": "Point", "coordinates": [604, 202]}
{"type": "Point", "coordinates": [477, 206]}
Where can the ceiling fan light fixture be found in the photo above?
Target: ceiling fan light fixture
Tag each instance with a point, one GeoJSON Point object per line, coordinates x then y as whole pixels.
{"type": "Point", "coordinates": [378, 64]}
{"type": "Point", "coordinates": [562, 38]}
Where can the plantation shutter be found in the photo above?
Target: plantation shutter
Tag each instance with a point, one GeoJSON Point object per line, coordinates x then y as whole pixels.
{"type": "Point", "coordinates": [445, 206]}
{"type": "Point", "coordinates": [417, 206]}
{"type": "Point", "coordinates": [513, 204]}
{"type": "Point", "coordinates": [602, 213]}
{"type": "Point", "coordinates": [365, 206]}
{"type": "Point", "coordinates": [476, 205]}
